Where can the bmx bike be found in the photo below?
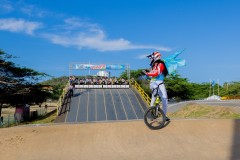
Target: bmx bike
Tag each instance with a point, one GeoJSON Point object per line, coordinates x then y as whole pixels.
{"type": "Point", "coordinates": [154, 117]}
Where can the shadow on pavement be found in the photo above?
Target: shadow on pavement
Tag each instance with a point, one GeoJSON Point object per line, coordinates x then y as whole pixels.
{"type": "Point", "coordinates": [236, 140]}
{"type": "Point", "coordinates": [64, 108]}
{"type": "Point", "coordinates": [166, 124]}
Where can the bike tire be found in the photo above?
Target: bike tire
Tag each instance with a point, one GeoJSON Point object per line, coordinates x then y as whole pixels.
{"type": "Point", "coordinates": [152, 120]}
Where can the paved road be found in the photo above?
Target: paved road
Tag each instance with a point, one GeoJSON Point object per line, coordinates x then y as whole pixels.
{"type": "Point", "coordinates": [227, 103]}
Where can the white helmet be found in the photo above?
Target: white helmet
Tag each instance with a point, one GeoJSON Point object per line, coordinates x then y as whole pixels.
{"type": "Point", "coordinates": [156, 56]}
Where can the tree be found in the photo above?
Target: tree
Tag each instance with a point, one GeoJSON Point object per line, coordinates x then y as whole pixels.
{"type": "Point", "coordinates": [231, 89]}
{"type": "Point", "coordinates": [133, 74]}
{"type": "Point", "coordinates": [199, 91]}
{"type": "Point", "coordinates": [19, 85]}
{"type": "Point", "coordinates": [57, 85]}
{"type": "Point", "coordinates": [177, 87]}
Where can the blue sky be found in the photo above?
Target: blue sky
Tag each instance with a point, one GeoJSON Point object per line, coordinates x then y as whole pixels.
{"type": "Point", "coordinates": [48, 35]}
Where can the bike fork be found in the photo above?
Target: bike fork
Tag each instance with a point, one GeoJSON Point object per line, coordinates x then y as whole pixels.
{"type": "Point", "coordinates": [156, 112]}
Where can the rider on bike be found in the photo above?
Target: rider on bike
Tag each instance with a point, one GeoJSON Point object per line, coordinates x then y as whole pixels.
{"type": "Point", "coordinates": [157, 73]}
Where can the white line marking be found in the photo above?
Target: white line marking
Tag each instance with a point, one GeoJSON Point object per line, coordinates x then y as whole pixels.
{"type": "Point", "coordinates": [104, 105]}
{"type": "Point", "coordinates": [131, 104]}
{"type": "Point", "coordinates": [122, 105]}
{"type": "Point", "coordinates": [78, 107]}
{"type": "Point", "coordinates": [114, 105]}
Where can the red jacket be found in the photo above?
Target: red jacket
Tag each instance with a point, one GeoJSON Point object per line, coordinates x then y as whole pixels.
{"type": "Point", "coordinates": [156, 71]}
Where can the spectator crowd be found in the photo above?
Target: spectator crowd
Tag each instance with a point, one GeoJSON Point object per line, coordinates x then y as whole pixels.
{"type": "Point", "coordinates": [97, 81]}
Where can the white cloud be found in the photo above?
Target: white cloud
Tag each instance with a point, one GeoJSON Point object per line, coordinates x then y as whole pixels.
{"type": "Point", "coordinates": [19, 25]}
{"type": "Point", "coordinates": [33, 11]}
{"type": "Point", "coordinates": [74, 32]}
{"type": "Point", "coordinates": [97, 41]}
{"type": "Point", "coordinates": [71, 23]}
{"type": "Point", "coordinates": [6, 6]}
{"type": "Point", "coordinates": [143, 56]}
{"type": "Point", "coordinates": [87, 35]}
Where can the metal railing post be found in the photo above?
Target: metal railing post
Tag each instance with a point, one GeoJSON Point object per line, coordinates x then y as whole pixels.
{"type": "Point", "coordinates": [59, 103]}
{"type": "Point", "coordinates": [142, 92]}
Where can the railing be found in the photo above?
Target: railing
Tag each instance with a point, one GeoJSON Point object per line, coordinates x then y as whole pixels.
{"type": "Point", "coordinates": [101, 86]}
{"type": "Point", "coordinates": [14, 119]}
{"type": "Point", "coordinates": [60, 100]}
{"type": "Point", "coordinates": [7, 120]}
{"type": "Point", "coordinates": [142, 92]}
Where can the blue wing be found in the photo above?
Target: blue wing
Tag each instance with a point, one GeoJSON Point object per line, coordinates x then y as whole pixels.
{"type": "Point", "coordinates": [172, 62]}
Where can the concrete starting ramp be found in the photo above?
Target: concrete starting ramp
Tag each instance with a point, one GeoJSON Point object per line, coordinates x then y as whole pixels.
{"type": "Point", "coordinates": [123, 140]}
{"type": "Point", "coordinates": [90, 105]}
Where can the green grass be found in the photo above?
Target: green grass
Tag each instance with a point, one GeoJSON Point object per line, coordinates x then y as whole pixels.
{"type": "Point", "coordinates": [49, 118]}
{"type": "Point", "coordinates": [204, 111]}
{"type": "Point", "coordinates": [45, 119]}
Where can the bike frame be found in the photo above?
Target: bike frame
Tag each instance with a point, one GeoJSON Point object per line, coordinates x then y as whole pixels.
{"type": "Point", "coordinates": [157, 101]}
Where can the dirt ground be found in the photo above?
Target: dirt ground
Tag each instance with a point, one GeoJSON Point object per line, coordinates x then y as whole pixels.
{"type": "Point", "coordinates": [180, 139]}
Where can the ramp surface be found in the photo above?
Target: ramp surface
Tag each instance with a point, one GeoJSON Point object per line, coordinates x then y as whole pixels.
{"type": "Point", "coordinates": [180, 139]}
{"type": "Point", "coordinates": [88, 105]}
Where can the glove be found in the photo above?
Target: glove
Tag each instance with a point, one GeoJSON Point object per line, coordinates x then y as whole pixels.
{"type": "Point", "coordinates": [144, 71]}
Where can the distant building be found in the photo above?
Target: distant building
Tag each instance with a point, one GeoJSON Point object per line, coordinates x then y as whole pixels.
{"type": "Point", "coordinates": [103, 74]}
{"type": "Point", "coordinates": [214, 97]}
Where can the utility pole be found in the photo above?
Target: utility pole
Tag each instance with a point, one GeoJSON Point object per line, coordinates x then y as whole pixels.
{"type": "Point", "coordinates": [213, 89]}
{"type": "Point", "coordinates": [210, 88]}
